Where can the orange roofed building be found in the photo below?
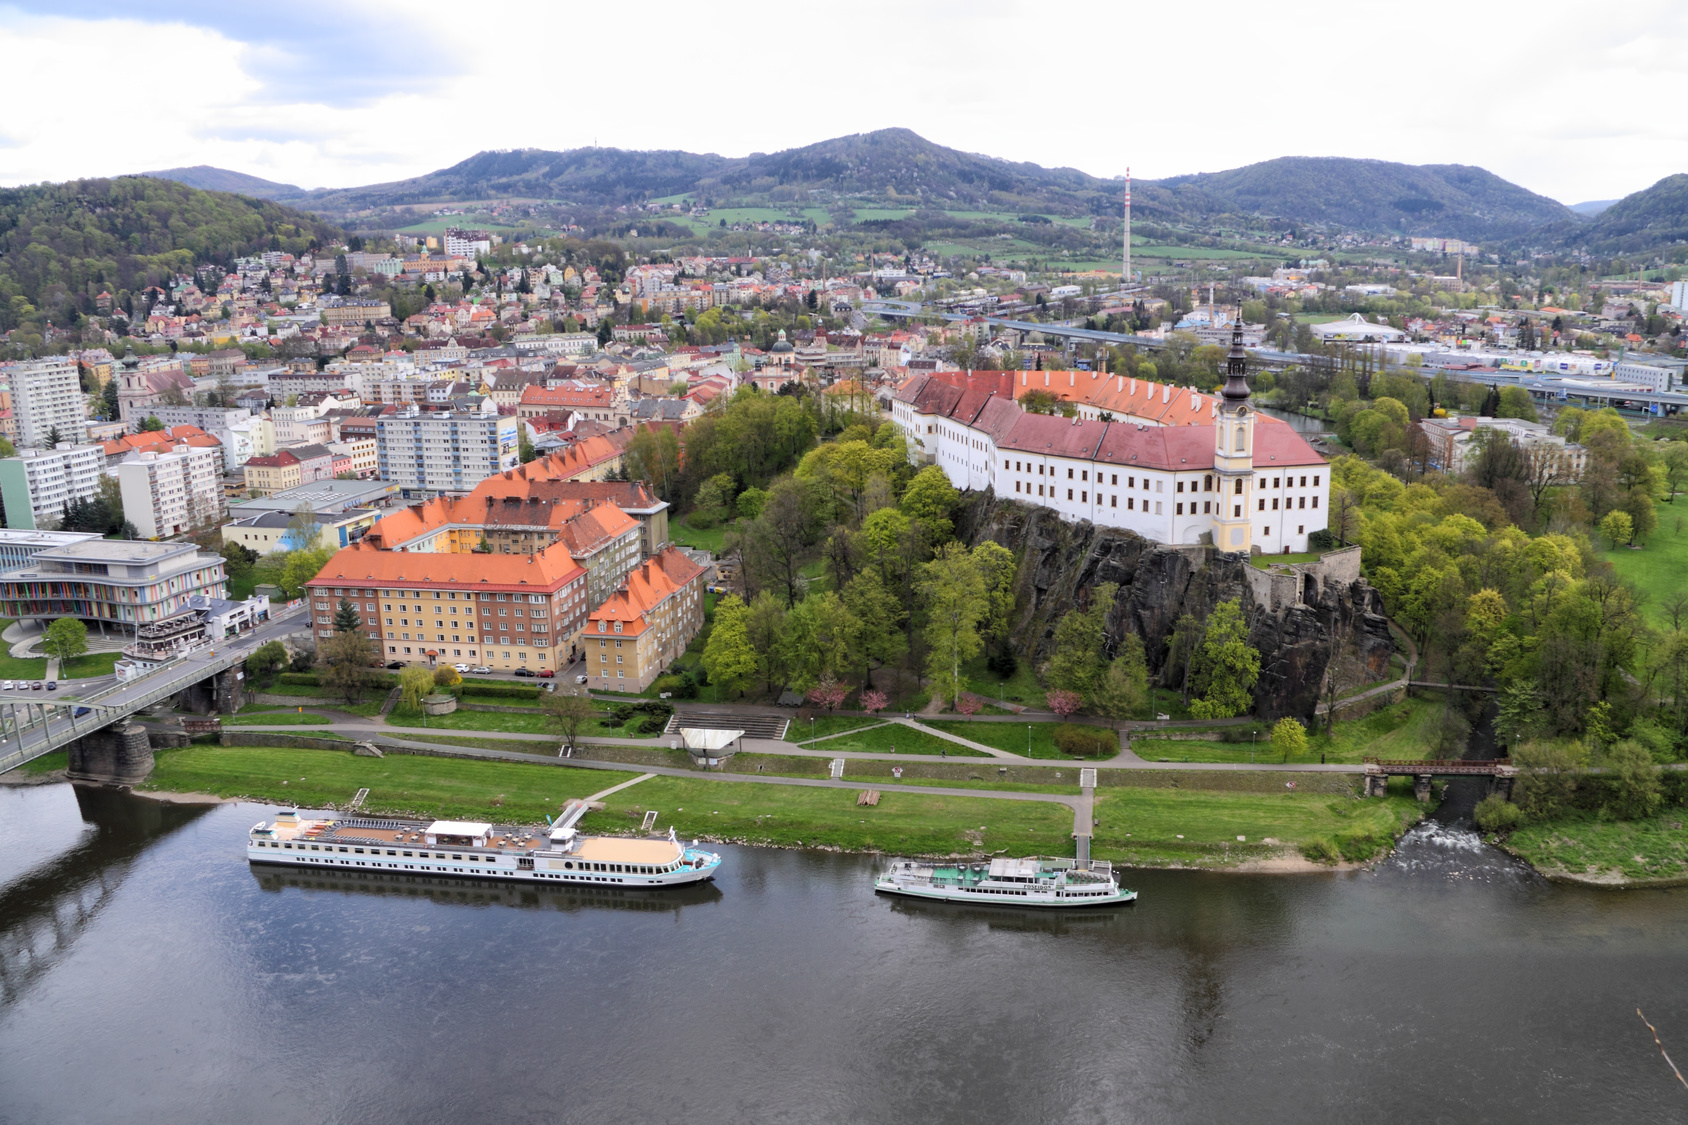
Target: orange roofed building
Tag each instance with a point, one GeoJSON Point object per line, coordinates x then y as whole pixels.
{"type": "Point", "coordinates": [646, 624]}
{"type": "Point", "coordinates": [504, 611]}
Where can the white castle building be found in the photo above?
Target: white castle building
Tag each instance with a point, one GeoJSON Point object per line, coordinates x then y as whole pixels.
{"type": "Point", "coordinates": [1223, 474]}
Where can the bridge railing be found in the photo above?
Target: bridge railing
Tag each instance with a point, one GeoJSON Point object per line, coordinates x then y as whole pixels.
{"type": "Point", "coordinates": [1444, 766]}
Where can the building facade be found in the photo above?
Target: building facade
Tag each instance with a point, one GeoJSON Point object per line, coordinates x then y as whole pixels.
{"type": "Point", "coordinates": [47, 396]}
{"type": "Point", "coordinates": [37, 483]}
{"type": "Point", "coordinates": [504, 611]}
{"type": "Point", "coordinates": [444, 452]}
{"type": "Point", "coordinates": [167, 493]}
{"type": "Point", "coordinates": [646, 624]}
{"type": "Point", "coordinates": [110, 580]}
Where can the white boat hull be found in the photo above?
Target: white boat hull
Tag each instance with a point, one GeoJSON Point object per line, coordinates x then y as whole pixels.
{"type": "Point", "coordinates": [977, 896]}
{"type": "Point", "coordinates": [685, 876]}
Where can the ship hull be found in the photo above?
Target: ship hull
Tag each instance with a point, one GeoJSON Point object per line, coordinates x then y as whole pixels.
{"type": "Point", "coordinates": [685, 877]}
{"type": "Point", "coordinates": [974, 896]}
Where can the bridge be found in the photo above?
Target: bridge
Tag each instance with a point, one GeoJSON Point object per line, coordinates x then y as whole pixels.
{"type": "Point", "coordinates": [115, 748]}
{"type": "Point", "coordinates": [1500, 771]}
{"type": "Point", "coordinates": [914, 309]}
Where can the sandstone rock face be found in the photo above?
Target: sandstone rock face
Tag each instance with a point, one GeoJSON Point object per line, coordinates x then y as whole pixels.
{"type": "Point", "coordinates": [1297, 620]}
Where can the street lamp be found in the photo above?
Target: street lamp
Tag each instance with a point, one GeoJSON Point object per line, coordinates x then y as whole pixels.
{"type": "Point", "coordinates": [1028, 740]}
{"type": "Point", "coordinates": [1251, 737]}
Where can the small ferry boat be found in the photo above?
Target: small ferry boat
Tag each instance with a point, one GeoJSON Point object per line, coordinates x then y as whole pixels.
{"type": "Point", "coordinates": [476, 850]}
{"type": "Point", "coordinates": [1037, 881]}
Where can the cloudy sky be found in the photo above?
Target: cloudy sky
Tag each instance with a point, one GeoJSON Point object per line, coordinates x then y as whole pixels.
{"type": "Point", "coordinates": [1548, 93]}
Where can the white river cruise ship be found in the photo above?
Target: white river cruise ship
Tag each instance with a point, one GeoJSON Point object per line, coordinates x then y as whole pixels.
{"type": "Point", "coordinates": [476, 850]}
{"type": "Point", "coordinates": [1037, 881]}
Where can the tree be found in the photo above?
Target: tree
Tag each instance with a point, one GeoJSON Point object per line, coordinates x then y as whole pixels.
{"type": "Point", "coordinates": [300, 567]}
{"type": "Point", "coordinates": [969, 704]}
{"type": "Point", "coordinates": [1675, 460]}
{"type": "Point", "coordinates": [346, 659]}
{"type": "Point", "coordinates": [266, 661]}
{"type": "Point", "coordinates": [1519, 715]}
{"type": "Point", "coordinates": [446, 676]}
{"type": "Point", "coordinates": [778, 543]}
{"type": "Point", "coordinates": [1289, 737]}
{"type": "Point", "coordinates": [729, 657]}
{"type": "Point", "coordinates": [416, 683]}
{"type": "Point", "coordinates": [237, 559]}
{"type": "Point", "coordinates": [873, 701]}
{"type": "Point", "coordinates": [1643, 519]}
{"type": "Point", "coordinates": [1226, 666]}
{"type": "Point", "coordinates": [996, 567]}
{"type": "Point", "coordinates": [346, 617]}
{"type": "Point", "coordinates": [151, 426]}
{"type": "Point", "coordinates": [66, 638]}
{"type": "Point", "coordinates": [829, 693]}
{"type": "Point", "coordinates": [1547, 779]}
{"type": "Point", "coordinates": [879, 618]}
{"type": "Point", "coordinates": [1079, 660]}
{"type": "Point", "coordinates": [568, 713]}
{"type": "Point", "coordinates": [1617, 527]}
{"type": "Point", "coordinates": [954, 595]}
{"type": "Point", "coordinates": [1124, 690]}
{"type": "Point", "coordinates": [54, 437]}
{"type": "Point", "coordinates": [931, 498]}
{"type": "Point", "coordinates": [1063, 702]}
{"type": "Point", "coordinates": [1632, 782]}
{"type": "Point", "coordinates": [1515, 402]}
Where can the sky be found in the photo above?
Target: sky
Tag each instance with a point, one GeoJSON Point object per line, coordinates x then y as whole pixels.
{"type": "Point", "coordinates": [1546, 93]}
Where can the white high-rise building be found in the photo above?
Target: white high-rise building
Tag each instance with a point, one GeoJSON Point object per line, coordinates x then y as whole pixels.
{"type": "Point", "coordinates": [446, 451]}
{"type": "Point", "coordinates": [37, 483]}
{"type": "Point", "coordinates": [47, 395]}
{"type": "Point", "coordinates": [168, 493]}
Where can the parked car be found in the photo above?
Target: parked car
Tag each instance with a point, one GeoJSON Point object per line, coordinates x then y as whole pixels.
{"type": "Point", "coordinates": [36, 686]}
{"type": "Point", "coordinates": [395, 664]}
{"type": "Point", "coordinates": [6, 685]}
{"type": "Point", "coordinates": [481, 670]}
{"type": "Point", "coordinates": [581, 679]}
{"type": "Point", "coordinates": [461, 668]}
{"type": "Point", "coordinates": [52, 685]}
{"type": "Point", "coordinates": [528, 672]}
{"type": "Point", "coordinates": [546, 673]}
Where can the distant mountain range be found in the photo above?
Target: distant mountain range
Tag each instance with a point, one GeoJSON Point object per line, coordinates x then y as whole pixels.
{"type": "Point", "coordinates": [894, 168]}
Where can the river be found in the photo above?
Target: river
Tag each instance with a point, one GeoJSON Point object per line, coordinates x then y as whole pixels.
{"type": "Point", "coordinates": [149, 974]}
{"type": "Point", "coordinates": [1301, 423]}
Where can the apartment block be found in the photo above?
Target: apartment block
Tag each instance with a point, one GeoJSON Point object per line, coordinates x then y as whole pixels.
{"type": "Point", "coordinates": [37, 483]}
{"type": "Point", "coordinates": [167, 493]}
{"type": "Point", "coordinates": [444, 452]}
{"type": "Point", "coordinates": [646, 624]}
{"type": "Point", "coordinates": [47, 395]}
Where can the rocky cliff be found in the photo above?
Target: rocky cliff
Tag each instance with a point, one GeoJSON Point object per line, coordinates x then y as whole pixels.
{"type": "Point", "coordinates": [1300, 618]}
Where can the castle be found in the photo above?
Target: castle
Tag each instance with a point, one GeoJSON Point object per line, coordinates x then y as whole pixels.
{"type": "Point", "coordinates": [1213, 470]}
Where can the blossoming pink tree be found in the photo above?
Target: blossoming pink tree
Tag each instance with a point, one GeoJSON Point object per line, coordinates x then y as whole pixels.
{"type": "Point", "coordinates": [874, 702]}
{"type": "Point", "coordinates": [829, 693]}
{"type": "Point", "coordinates": [968, 704]}
{"type": "Point", "coordinates": [1063, 702]}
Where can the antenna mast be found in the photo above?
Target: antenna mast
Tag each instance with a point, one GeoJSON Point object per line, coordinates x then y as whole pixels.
{"type": "Point", "coordinates": [1125, 273]}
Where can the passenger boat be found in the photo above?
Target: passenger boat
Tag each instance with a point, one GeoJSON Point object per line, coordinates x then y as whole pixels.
{"type": "Point", "coordinates": [1037, 881]}
{"type": "Point", "coordinates": [476, 850]}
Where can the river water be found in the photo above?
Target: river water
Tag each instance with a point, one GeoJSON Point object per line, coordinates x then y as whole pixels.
{"type": "Point", "coordinates": [1301, 423]}
{"type": "Point", "coordinates": [149, 974]}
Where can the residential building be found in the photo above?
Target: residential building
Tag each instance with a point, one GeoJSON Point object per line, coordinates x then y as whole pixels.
{"type": "Point", "coordinates": [167, 493]}
{"type": "Point", "coordinates": [646, 624]}
{"type": "Point", "coordinates": [605, 540]}
{"type": "Point", "coordinates": [323, 497]}
{"type": "Point", "coordinates": [505, 611]}
{"type": "Point", "coordinates": [360, 455]}
{"type": "Point", "coordinates": [116, 449]}
{"type": "Point", "coordinates": [266, 532]}
{"type": "Point", "coordinates": [1453, 443]}
{"type": "Point", "coordinates": [354, 311]}
{"type": "Point", "coordinates": [101, 580]}
{"type": "Point", "coordinates": [239, 432]}
{"type": "Point", "coordinates": [446, 451]}
{"type": "Point", "coordinates": [584, 400]}
{"type": "Point", "coordinates": [316, 462]}
{"type": "Point", "coordinates": [509, 514]}
{"type": "Point", "coordinates": [47, 397]}
{"type": "Point", "coordinates": [20, 546]}
{"type": "Point", "coordinates": [278, 472]}
{"type": "Point", "coordinates": [37, 483]}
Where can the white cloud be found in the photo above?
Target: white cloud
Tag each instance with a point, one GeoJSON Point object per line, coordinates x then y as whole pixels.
{"type": "Point", "coordinates": [1512, 87]}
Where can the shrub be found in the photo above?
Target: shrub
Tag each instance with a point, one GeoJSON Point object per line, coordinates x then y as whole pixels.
{"type": "Point", "coordinates": [620, 714]}
{"type": "Point", "coordinates": [1360, 844]}
{"type": "Point", "coordinates": [1085, 742]}
{"type": "Point", "coordinates": [1321, 540]}
{"type": "Point", "coordinates": [1289, 738]}
{"type": "Point", "coordinates": [1548, 778]}
{"type": "Point", "coordinates": [498, 691]}
{"type": "Point", "coordinates": [1321, 850]}
{"type": "Point", "coordinates": [1632, 789]}
{"type": "Point", "coordinates": [303, 679]}
{"type": "Point", "coordinates": [1495, 813]}
{"type": "Point", "coordinates": [1003, 663]}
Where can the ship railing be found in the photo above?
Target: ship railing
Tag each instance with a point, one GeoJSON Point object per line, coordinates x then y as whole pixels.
{"type": "Point", "coordinates": [372, 822]}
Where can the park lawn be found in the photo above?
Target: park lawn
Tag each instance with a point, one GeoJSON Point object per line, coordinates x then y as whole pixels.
{"type": "Point", "coordinates": [544, 749]}
{"type": "Point", "coordinates": [89, 664]}
{"type": "Point", "coordinates": [1012, 737]}
{"type": "Point", "coordinates": [1022, 687]}
{"type": "Point", "coordinates": [535, 723]}
{"type": "Point", "coordinates": [1142, 827]}
{"type": "Point", "coordinates": [398, 784]}
{"type": "Point", "coordinates": [1586, 845]}
{"type": "Point", "coordinates": [1657, 568]}
{"type": "Point", "coordinates": [898, 739]}
{"type": "Point", "coordinates": [1264, 562]}
{"type": "Point", "coordinates": [19, 668]}
{"type": "Point", "coordinates": [823, 725]}
{"type": "Point", "coordinates": [47, 763]}
{"type": "Point", "coordinates": [1400, 731]}
{"type": "Point", "coordinates": [902, 823]}
{"type": "Point", "coordinates": [702, 538]}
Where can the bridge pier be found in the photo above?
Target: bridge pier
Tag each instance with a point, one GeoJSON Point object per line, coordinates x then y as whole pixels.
{"type": "Point", "coordinates": [220, 693]}
{"type": "Point", "coordinates": [1377, 785]}
{"type": "Point", "coordinates": [120, 754]}
{"type": "Point", "coordinates": [1421, 787]}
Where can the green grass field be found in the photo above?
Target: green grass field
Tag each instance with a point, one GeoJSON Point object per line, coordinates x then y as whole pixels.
{"type": "Point", "coordinates": [790, 815]}
{"type": "Point", "coordinates": [47, 763]}
{"type": "Point", "coordinates": [1264, 562]}
{"type": "Point", "coordinates": [247, 718]}
{"type": "Point", "coordinates": [1654, 848]}
{"type": "Point", "coordinates": [1012, 737]}
{"type": "Point", "coordinates": [1658, 568]}
{"type": "Point", "coordinates": [896, 738]}
{"type": "Point", "coordinates": [824, 725]}
{"type": "Point", "coordinates": [89, 664]}
{"type": "Point", "coordinates": [1402, 730]}
{"type": "Point", "coordinates": [16, 668]}
{"type": "Point", "coordinates": [397, 784]}
{"type": "Point", "coordinates": [1158, 827]}
{"type": "Point", "coordinates": [698, 538]}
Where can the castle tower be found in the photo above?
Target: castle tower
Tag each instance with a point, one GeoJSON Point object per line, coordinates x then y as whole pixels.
{"type": "Point", "coordinates": [1233, 452]}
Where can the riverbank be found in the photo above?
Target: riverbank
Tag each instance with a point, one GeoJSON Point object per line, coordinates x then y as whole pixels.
{"type": "Point", "coordinates": [1178, 825]}
{"type": "Point", "coordinates": [1594, 852]}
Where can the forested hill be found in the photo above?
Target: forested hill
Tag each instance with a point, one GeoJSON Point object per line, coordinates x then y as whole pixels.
{"type": "Point", "coordinates": [1652, 217]}
{"type": "Point", "coordinates": [61, 244]}
{"type": "Point", "coordinates": [1444, 200]}
{"type": "Point", "coordinates": [207, 178]}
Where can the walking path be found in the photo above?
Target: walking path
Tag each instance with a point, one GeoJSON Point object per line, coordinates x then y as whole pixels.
{"type": "Point", "coordinates": [602, 793]}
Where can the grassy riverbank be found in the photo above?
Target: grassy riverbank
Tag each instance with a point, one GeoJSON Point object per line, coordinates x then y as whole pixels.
{"type": "Point", "coordinates": [1589, 848]}
{"type": "Point", "coordinates": [1401, 730]}
{"type": "Point", "coordinates": [397, 784]}
{"type": "Point", "coordinates": [1183, 828]}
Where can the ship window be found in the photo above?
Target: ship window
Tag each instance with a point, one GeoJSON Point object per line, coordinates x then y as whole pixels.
{"type": "Point", "coordinates": [407, 854]}
{"type": "Point", "coordinates": [569, 866]}
{"type": "Point", "coordinates": [390, 851]}
{"type": "Point", "coordinates": [357, 850]}
{"type": "Point", "coordinates": [342, 849]}
{"type": "Point", "coordinates": [453, 857]}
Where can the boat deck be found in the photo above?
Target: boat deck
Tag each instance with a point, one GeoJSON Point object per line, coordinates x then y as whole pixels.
{"type": "Point", "coordinates": [504, 839]}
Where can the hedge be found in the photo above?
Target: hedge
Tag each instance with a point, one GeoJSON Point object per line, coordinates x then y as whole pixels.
{"type": "Point", "coordinates": [311, 679]}
{"type": "Point", "coordinates": [501, 691]}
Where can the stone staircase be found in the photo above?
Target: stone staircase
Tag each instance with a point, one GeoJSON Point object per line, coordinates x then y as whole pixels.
{"type": "Point", "coordinates": [753, 726]}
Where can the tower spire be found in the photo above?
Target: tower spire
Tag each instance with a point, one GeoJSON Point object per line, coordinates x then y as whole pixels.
{"type": "Point", "coordinates": [1236, 391]}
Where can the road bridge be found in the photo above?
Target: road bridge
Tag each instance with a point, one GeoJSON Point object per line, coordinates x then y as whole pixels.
{"type": "Point", "coordinates": [915, 309]}
{"type": "Point", "coordinates": [1501, 771]}
{"type": "Point", "coordinates": [50, 724]}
